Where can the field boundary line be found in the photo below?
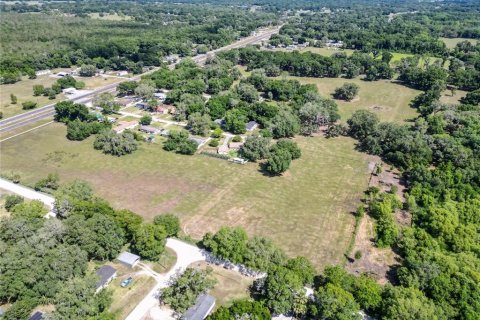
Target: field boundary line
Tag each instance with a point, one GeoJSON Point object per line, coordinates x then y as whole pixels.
{"type": "Point", "coordinates": [18, 134]}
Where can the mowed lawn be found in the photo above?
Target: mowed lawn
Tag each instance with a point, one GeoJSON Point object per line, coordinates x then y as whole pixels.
{"type": "Point", "coordinates": [24, 92]}
{"type": "Point", "coordinates": [307, 211]}
{"type": "Point", "coordinates": [452, 42]}
{"type": "Point", "coordinates": [389, 100]}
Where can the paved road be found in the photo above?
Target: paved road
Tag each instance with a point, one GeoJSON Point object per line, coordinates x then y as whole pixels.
{"type": "Point", "coordinates": [186, 255]}
{"type": "Point", "coordinates": [33, 116]}
{"type": "Point", "coordinates": [29, 194]}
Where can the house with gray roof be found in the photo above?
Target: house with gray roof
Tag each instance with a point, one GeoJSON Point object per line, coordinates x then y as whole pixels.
{"type": "Point", "coordinates": [202, 308]}
{"type": "Point", "coordinates": [106, 275]}
{"type": "Point", "coordinates": [251, 125]}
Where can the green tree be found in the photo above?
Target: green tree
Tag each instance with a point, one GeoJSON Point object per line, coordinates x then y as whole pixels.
{"type": "Point", "coordinates": [87, 70]}
{"type": "Point", "coordinates": [38, 90]}
{"type": "Point", "coordinates": [281, 288]}
{"type": "Point", "coordinates": [332, 302]}
{"type": "Point", "coordinates": [146, 120]}
{"type": "Point", "coordinates": [242, 309]}
{"type": "Point", "coordinates": [284, 125]}
{"type": "Point", "coordinates": [69, 194]}
{"type": "Point", "coordinates": [303, 268]}
{"type": "Point", "coordinates": [409, 304]}
{"type": "Point", "coordinates": [278, 161]}
{"type": "Point", "coordinates": [288, 145]}
{"type": "Point", "coordinates": [149, 241]}
{"type": "Point", "coordinates": [247, 92]}
{"type": "Point", "coordinates": [29, 210]}
{"type": "Point", "coordinates": [362, 123]}
{"type": "Point", "coordinates": [235, 121]}
{"type": "Point", "coordinates": [186, 288]}
{"type": "Point", "coordinates": [255, 148]}
{"type": "Point", "coordinates": [228, 243]}
{"type": "Point", "coordinates": [127, 87]}
{"type": "Point", "coordinates": [199, 124]}
{"type": "Point", "coordinates": [347, 91]}
{"type": "Point", "coordinates": [106, 101]}
{"type": "Point", "coordinates": [170, 222]}
{"type": "Point", "coordinates": [115, 144]}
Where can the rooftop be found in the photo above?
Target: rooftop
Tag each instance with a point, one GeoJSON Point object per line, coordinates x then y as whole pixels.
{"type": "Point", "coordinates": [36, 316]}
{"type": "Point", "coordinates": [128, 258]}
{"type": "Point", "coordinates": [201, 309]}
{"type": "Point", "coordinates": [105, 273]}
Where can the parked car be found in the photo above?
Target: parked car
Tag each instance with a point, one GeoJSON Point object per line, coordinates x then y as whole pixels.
{"type": "Point", "coordinates": [125, 283]}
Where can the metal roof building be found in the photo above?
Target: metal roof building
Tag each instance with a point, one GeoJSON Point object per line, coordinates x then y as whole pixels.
{"type": "Point", "coordinates": [128, 259]}
{"type": "Point", "coordinates": [202, 308]}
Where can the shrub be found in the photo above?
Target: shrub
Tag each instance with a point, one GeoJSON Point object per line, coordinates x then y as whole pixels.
{"type": "Point", "coordinates": [11, 201]}
{"type": "Point", "coordinates": [237, 139]}
{"type": "Point", "coordinates": [346, 92]}
{"type": "Point", "coordinates": [28, 105]}
{"type": "Point", "coordinates": [213, 143]}
{"type": "Point", "coordinates": [358, 254]}
{"type": "Point", "coordinates": [146, 120]}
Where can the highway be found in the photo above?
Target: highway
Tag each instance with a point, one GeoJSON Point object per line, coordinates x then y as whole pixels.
{"type": "Point", "coordinates": [30, 117]}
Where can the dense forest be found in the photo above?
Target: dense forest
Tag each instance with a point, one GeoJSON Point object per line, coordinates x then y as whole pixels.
{"type": "Point", "coordinates": [55, 35]}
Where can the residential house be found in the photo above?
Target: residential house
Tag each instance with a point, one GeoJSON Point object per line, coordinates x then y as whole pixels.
{"type": "Point", "coordinates": [106, 275]}
{"type": "Point", "coordinates": [202, 308]}
{"type": "Point", "coordinates": [252, 125]}
{"type": "Point", "coordinates": [149, 129]}
{"type": "Point", "coordinates": [124, 125]}
{"type": "Point", "coordinates": [128, 259]}
{"type": "Point", "coordinates": [122, 73]}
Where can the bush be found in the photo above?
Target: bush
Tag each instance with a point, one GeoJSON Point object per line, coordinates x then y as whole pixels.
{"type": "Point", "coordinates": [346, 92]}
{"type": "Point", "coordinates": [28, 105]}
{"type": "Point", "coordinates": [11, 201]}
{"type": "Point", "coordinates": [237, 139]}
{"type": "Point", "coordinates": [146, 120]}
{"type": "Point", "coordinates": [358, 254]}
{"type": "Point", "coordinates": [217, 133]}
{"type": "Point", "coordinates": [213, 143]}
{"type": "Point", "coordinates": [178, 141]}
{"type": "Point", "coordinates": [50, 182]}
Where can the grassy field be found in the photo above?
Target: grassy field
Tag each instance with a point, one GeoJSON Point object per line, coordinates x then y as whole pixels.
{"type": "Point", "coordinates": [230, 286]}
{"type": "Point", "coordinates": [390, 101]}
{"type": "Point", "coordinates": [24, 92]}
{"type": "Point", "coordinates": [307, 211]}
{"type": "Point", "coordinates": [452, 42]}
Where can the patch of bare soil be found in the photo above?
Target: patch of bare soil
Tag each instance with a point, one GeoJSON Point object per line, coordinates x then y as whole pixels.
{"type": "Point", "coordinates": [374, 261]}
{"type": "Point", "coordinates": [378, 261]}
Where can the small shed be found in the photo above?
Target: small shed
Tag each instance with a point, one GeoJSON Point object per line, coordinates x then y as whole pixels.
{"type": "Point", "coordinates": [36, 316]}
{"type": "Point", "coordinates": [252, 125]}
{"type": "Point", "coordinates": [202, 308]}
{"type": "Point", "coordinates": [106, 275]}
{"type": "Point", "coordinates": [128, 259]}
